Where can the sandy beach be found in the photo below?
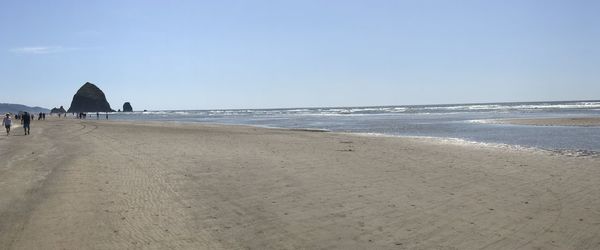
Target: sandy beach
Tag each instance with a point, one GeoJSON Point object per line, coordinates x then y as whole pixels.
{"type": "Point", "coordinates": [75, 184]}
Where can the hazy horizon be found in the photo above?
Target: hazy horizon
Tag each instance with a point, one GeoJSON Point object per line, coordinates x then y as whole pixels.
{"type": "Point", "coordinates": [263, 54]}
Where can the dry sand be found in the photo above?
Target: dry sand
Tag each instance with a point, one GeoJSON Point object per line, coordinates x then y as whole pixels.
{"type": "Point", "coordinates": [579, 121]}
{"type": "Point", "coordinates": [118, 185]}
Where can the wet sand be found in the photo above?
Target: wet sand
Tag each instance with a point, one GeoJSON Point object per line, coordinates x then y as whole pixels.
{"type": "Point", "coordinates": [581, 121]}
{"type": "Point", "coordinates": [123, 185]}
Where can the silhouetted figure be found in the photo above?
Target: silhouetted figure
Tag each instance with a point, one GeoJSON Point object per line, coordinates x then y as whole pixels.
{"type": "Point", "coordinates": [26, 122]}
{"type": "Point", "coordinates": [40, 116]}
{"type": "Point", "coordinates": [97, 115]}
{"type": "Point", "coordinates": [7, 122]}
{"type": "Point", "coordinates": [106, 116]}
{"type": "Point", "coordinates": [44, 116]}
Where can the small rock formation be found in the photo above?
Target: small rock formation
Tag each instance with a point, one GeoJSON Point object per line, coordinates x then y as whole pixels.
{"type": "Point", "coordinates": [60, 110]}
{"type": "Point", "coordinates": [89, 98]}
{"type": "Point", "coordinates": [127, 107]}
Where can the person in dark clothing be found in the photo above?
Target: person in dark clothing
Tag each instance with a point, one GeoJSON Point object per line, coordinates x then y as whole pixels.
{"type": "Point", "coordinates": [26, 122]}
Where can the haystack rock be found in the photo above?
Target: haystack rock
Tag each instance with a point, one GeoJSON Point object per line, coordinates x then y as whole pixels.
{"type": "Point", "coordinates": [127, 107]}
{"type": "Point", "coordinates": [89, 98]}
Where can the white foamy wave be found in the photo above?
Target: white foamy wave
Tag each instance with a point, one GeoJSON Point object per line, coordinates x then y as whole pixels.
{"type": "Point", "coordinates": [365, 111]}
{"type": "Point", "coordinates": [537, 106]}
{"type": "Point", "coordinates": [466, 107]}
{"type": "Point", "coordinates": [155, 113]}
{"type": "Point", "coordinates": [485, 121]}
{"type": "Point", "coordinates": [383, 110]}
{"type": "Point", "coordinates": [465, 142]}
{"type": "Point", "coordinates": [453, 141]}
{"type": "Point", "coordinates": [579, 105]}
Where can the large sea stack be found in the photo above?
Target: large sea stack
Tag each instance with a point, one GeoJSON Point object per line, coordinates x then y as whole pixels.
{"type": "Point", "coordinates": [89, 98]}
{"type": "Point", "coordinates": [127, 107]}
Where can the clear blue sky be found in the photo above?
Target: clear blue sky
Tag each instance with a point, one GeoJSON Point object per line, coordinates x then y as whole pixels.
{"type": "Point", "coordinates": [262, 54]}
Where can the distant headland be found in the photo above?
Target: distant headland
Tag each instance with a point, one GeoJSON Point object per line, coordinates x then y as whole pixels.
{"type": "Point", "coordinates": [16, 108]}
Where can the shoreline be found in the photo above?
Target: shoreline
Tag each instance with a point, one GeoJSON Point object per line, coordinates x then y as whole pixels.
{"type": "Point", "coordinates": [563, 121]}
{"type": "Point", "coordinates": [87, 184]}
{"type": "Point", "coordinates": [493, 145]}
{"type": "Point", "coordinates": [432, 139]}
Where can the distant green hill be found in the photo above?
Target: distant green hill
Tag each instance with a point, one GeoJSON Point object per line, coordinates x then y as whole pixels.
{"type": "Point", "coordinates": [16, 108]}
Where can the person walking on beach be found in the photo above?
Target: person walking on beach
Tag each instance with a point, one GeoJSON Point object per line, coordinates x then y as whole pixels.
{"type": "Point", "coordinates": [7, 122]}
{"type": "Point", "coordinates": [26, 121]}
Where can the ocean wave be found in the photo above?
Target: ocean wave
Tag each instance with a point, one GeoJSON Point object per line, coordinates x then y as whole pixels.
{"type": "Point", "coordinates": [508, 106]}
{"type": "Point", "coordinates": [423, 109]}
{"type": "Point", "coordinates": [482, 121]}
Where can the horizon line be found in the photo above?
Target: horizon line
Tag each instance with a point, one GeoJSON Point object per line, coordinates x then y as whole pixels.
{"type": "Point", "coordinates": [350, 106]}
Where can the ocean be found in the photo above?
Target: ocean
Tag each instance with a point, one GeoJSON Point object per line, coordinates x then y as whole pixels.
{"type": "Point", "coordinates": [462, 123]}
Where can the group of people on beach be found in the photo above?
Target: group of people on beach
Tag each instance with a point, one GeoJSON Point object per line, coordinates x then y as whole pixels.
{"type": "Point", "coordinates": [83, 115]}
{"type": "Point", "coordinates": [25, 121]}
{"type": "Point", "coordinates": [26, 118]}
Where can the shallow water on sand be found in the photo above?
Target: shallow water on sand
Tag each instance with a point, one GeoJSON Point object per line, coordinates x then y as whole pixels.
{"type": "Point", "coordinates": [463, 121]}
